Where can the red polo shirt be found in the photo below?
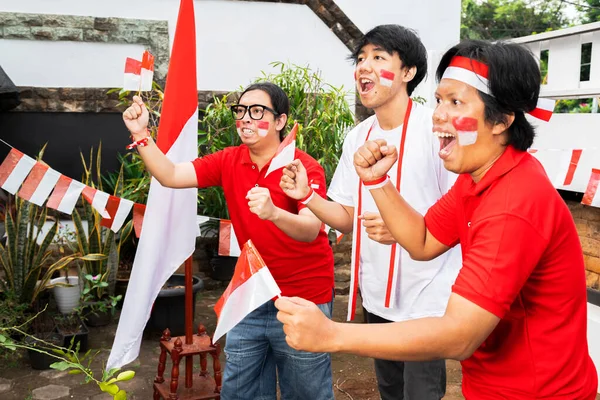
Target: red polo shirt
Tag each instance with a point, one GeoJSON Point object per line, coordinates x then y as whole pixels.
{"type": "Point", "coordinates": [522, 261]}
{"type": "Point", "coordinates": [299, 268]}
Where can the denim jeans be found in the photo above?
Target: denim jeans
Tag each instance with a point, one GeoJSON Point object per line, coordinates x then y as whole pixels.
{"type": "Point", "coordinates": [257, 355]}
{"type": "Point", "coordinates": [398, 380]}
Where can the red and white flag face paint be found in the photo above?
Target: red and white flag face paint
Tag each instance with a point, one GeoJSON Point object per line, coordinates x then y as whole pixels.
{"type": "Point", "coordinates": [147, 71]}
{"type": "Point", "coordinates": [133, 74]}
{"type": "Point", "coordinates": [238, 126]}
{"type": "Point", "coordinates": [386, 78]}
{"type": "Point", "coordinates": [466, 130]}
{"type": "Point", "coordinates": [14, 169]}
{"type": "Point", "coordinates": [228, 243]}
{"type": "Point", "coordinates": [118, 209]}
{"type": "Point", "coordinates": [285, 152]}
{"type": "Point", "coordinates": [263, 128]}
{"type": "Point", "coordinates": [97, 199]}
{"type": "Point", "coordinates": [251, 286]}
{"type": "Point", "coordinates": [39, 184]}
{"type": "Point", "coordinates": [591, 196]}
{"type": "Point", "coordinates": [65, 194]}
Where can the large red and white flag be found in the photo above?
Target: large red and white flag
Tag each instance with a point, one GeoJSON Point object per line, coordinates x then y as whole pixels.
{"type": "Point", "coordinates": [228, 243]}
{"type": "Point", "coordinates": [251, 286]}
{"type": "Point", "coordinates": [14, 169]}
{"type": "Point", "coordinates": [285, 152]}
{"type": "Point", "coordinates": [170, 229]}
{"type": "Point", "coordinates": [591, 196]}
{"type": "Point", "coordinates": [39, 183]}
{"type": "Point", "coordinates": [118, 209]}
{"type": "Point", "coordinates": [65, 194]}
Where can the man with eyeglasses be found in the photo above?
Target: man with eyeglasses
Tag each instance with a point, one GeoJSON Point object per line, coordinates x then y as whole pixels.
{"type": "Point", "coordinates": [286, 233]}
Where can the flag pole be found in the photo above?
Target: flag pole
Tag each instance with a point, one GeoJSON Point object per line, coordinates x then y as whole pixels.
{"type": "Point", "coordinates": [189, 320]}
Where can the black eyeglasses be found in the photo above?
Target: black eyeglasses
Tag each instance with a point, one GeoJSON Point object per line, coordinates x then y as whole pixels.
{"type": "Point", "coordinates": [256, 111]}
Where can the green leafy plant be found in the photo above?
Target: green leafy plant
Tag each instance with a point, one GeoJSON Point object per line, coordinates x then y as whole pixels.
{"type": "Point", "coordinates": [67, 359]}
{"type": "Point", "coordinates": [99, 239]}
{"type": "Point", "coordinates": [91, 305]}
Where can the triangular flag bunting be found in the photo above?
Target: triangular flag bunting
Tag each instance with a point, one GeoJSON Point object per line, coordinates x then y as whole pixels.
{"type": "Point", "coordinates": [251, 286]}
{"type": "Point", "coordinates": [65, 194]}
{"type": "Point", "coordinates": [118, 209]}
{"type": "Point", "coordinates": [14, 170]}
{"type": "Point", "coordinates": [138, 218]}
{"type": "Point", "coordinates": [228, 243]}
{"type": "Point", "coordinates": [97, 199]}
{"type": "Point", "coordinates": [39, 183]}
{"type": "Point", "coordinates": [285, 152]}
{"type": "Point", "coordinates": [591, 197]}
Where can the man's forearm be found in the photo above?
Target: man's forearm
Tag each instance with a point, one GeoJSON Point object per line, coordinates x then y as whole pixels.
{"type": "Point", "coordinates": [405, 224]}
{"type": "Point", "coordinates": [331, 213]}
{"type": "Point", "coordinates": [304, 228]}
{"type": "Point", "coordinates": [159, 166]}
{"type": "Point", "coordinates": [416, 340]}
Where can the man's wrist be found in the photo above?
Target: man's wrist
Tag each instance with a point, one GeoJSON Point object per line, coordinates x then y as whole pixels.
{"type": "Point", "coordinates": [308, 197]}
{"type": "Point", "coordinates": [376, 183]}
{"type": "Point", "coordinates": [141, 134]}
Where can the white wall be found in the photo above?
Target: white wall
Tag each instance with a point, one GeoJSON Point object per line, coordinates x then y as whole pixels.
{"type": "Point", "coordinates": [436, 21]}
{"type": "Point", "coordinates": [236, 40]}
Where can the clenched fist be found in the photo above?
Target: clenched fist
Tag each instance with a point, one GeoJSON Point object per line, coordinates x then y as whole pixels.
{"type": "Point", "coordinates": [261, 204]}
{"type": "Point", "coordinates": [374, 159]}
{"type": "Point", "coordinates": [294, 181]}
{"type": "Point", "coordinates": [136, 118]}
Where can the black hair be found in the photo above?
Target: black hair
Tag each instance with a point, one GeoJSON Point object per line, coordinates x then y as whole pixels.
{"type": "Point", "coordinates": [514, 82]}
{"type": "Point", "coordinates": [279, 100]}
{"type": "Point", "coordinates": [405, 42]}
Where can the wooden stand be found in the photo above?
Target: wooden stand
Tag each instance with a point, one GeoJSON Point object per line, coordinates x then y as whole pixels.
{"type": "Point", "coordinates": [204, 387]}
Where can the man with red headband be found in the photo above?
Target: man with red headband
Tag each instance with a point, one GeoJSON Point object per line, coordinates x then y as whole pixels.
{"type": "Point", "coordinates": [517, 314]}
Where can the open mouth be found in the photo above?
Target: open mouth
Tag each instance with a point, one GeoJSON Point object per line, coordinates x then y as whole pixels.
{"type": "Point", "coordinates": [447, 142]}
{"type": "Point", "coordinates": [366, 85]}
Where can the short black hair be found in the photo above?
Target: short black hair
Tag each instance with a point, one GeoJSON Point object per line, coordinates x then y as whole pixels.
{"type": "Point", "coordinates": [514, 82]}
{"type": "Point", "coordinates": [404, 41]}
{"type": "Point", "coordinates": [279, 100]}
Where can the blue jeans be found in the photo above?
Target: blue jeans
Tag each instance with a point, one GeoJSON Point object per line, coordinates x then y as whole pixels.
{"type": "Point", "coordinates": [257, 355]}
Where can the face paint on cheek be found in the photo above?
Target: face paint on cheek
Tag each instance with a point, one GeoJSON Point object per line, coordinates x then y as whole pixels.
{"type": "Point", "coordinates": [355, 75]}
{"type": "Point", "coordinates": [238, 126]}
{"type": "Point", "coordinates": [466, 129]}
{"type": "Point", "coordinates": [263, 128]}
{"type": "Point", "coordinates": [386, 78]}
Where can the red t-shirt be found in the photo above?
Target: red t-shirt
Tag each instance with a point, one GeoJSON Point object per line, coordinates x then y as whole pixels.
{"type": "Point", "coordinates": [299, 268]}
{"type": "Point", "coordinates": [522, 261]}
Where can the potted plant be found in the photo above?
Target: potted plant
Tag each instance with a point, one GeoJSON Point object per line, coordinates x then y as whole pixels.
{"type": "Point", "coordinates": [97, 312]}
{"type": "Point", "coordinates": [72, 330]}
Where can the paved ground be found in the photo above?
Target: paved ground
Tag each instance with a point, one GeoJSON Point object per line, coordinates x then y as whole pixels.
{"type": "Point", "coordinates": [353, 376]}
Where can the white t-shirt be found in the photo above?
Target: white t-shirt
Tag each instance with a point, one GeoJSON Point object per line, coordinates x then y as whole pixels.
{"type": "Point", "coordinates": [420, 289]}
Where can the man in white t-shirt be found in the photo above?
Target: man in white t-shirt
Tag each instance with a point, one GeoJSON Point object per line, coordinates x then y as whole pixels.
{"type": "Point", "coordinates": [390, 62]}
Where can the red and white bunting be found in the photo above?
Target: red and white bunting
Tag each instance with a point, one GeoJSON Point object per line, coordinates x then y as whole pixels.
{"type": "Point", "coordinates": [251, 286]}
{"type": "Point", "coordinates": [338, 235]}
{"type": "Point", "coordinates": [147, 71]}
{"type": "Point", "coordinates": [228, 243]}
{"type": "Point", "coordinates": [285, 152]}
{"type": "Point", "coordinates": [118, 209]}
{"type": "Point", "coordinates": [138, 218]}
{"type": "Point", "coordinates": [14, 169]}
{"type": "Point", "coordinates": [573, 162]}
{"type": "Point", "coordinates": [97, 199]}
{"type": "Point", "coordinates": [386, 78]}
{"type": "Point", "coordinates": [133, 74]}
{"type": "Point", "coordinates": [591, 196]}
{"type": "Point", "coordinates": [39, 183]}
{"type": "Point", "coordinates": [65, 194]}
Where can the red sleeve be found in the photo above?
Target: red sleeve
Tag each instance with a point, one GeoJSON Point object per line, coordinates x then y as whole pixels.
{"type": "Point", "coordinates": [316, 176]}
{"type": "Point", "coordinates": [503, 251]}
{"type": "Point", "coordinates": [441, 219]}
{"type": "Point", "coordinates": [209, 168]}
